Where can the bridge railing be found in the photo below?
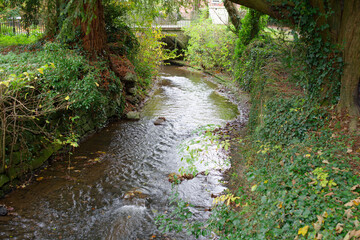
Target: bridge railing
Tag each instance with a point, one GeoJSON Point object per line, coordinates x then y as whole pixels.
{"type": "Point", "coordinates": [164, 23]}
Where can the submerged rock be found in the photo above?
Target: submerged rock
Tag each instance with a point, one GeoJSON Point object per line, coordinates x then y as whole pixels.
{"type": "Point", "coordinates": [3, 211]}
{"type": "Point", "coordinates": [133, 115]}
{"type": "Point", "coordinates": [159, 121]}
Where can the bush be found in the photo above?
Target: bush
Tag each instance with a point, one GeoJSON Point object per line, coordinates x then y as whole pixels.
{"type": "Point", "coordinates": [88, 85]}
{"type": "Point", "coordinates": [57, 102]}
{"type": "Point", "coordinates": [252, 25]}
{"type": "Point", "coordinates": [210, 46]}
{"type": "Point", "coordinates": [151, 54]}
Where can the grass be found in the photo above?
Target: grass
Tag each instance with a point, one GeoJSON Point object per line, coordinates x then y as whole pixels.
{"type": "Point", "coordinates": [21, 39]}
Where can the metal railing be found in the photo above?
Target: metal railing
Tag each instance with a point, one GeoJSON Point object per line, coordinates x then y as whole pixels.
{"type": "Point", "coordinates": [16, 27]}
{"type": "Point", "coordinates": [165, 23]}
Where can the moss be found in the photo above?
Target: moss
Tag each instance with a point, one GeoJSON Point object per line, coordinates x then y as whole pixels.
{"type": "Point", "coordinates": [3, 179]}
{"type": "Point", "coordinates": [14, 172]}
{"type": "Point", "coordinates": [44, 155]}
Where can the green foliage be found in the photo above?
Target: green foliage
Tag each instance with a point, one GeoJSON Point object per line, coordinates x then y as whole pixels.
{"type": "Point", "coordinates": [89, 87]}
{"type": "Point", "coordinates": [21, 39]}
{"type": "Point", "coordinates": [210, 46]}
{"type": "Point", "coordinates": [151, 54]}
{"type": "Point", "coordinates": [250, 64]}
{"type": "Point", "coordinates": [286, 120]}
{"type": "Point", "coordinates": [115, 14]}
{"type": "Point", "coordinates": [251, 25]}
{"type": "Point", "coordinates": [196, 150]}
{"type": "Point", "coordinates": [307, 193]}
{"type": "Point", "coordinates": [6, 30]}
{"type": "Point", "coordinates": [319, 62]}
{"type": "Point", "coordinates": [23, 110]}
{"type": "Point", "coordinates": [60, 101]}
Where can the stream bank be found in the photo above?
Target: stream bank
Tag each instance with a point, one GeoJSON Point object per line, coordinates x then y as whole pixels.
{"type": "Point", "coordinates": [113, 185]}
{"type": "Point", "coordinates": [61, 103]}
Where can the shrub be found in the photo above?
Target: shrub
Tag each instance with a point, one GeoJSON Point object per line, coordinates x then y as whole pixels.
{"type": "Point", "coordinates": [210, 46]}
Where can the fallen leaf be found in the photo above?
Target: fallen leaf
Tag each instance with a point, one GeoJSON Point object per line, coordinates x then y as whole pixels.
{"type": "Point", "coordinates": [353, 202]}
{"type": "Point", "coordinates": [339, 228]}
{"type": "Point", "coordinates": [320, 219]}
{"type": "Point", "coordinates": [303, 231]}
{"type": "Point", "coordinates": [356, 223]}
{"type": "Point", "coordinates": [67, 98]}
{"type": "Point", "coordinates": [329, 194]}
{"type": "Point", "coordinates": [317, 226]}
{"type": "Point", "coordinates": [355, 187]}
{"type": "Point", "coordinates": [348, 213]}
{"type": "Point", "coordinates": [349, 150]}
{"type": "Point", "coordinates": [325, 161]}
{"type": "Point", "coordinates": [351, 234]}
{"type": "Point", "coordinates": [319, 236]}
{"type": "Point", "coordinates": [253, 188]}
{"type": "Point", "coordinates": [39, 178]}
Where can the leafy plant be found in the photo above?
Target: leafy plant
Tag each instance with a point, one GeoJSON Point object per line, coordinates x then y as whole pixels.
{"type": "Point", "coordinates": [210, 46]}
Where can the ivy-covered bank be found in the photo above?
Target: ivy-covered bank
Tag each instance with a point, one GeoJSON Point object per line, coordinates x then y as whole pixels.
{"type": "Point", "coordinates": [296, 170]}
{"type": "Point", "coordinates": [51, 96]}
{"type": "Point", "coordinates": [295, 174]}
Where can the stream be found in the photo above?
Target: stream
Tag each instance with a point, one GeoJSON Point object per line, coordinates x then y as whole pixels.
{"type": "Point", "coordinates": [113, 185]}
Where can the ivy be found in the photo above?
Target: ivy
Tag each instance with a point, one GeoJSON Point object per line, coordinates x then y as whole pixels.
{"type": "Point", "coordinates": [322, 62]}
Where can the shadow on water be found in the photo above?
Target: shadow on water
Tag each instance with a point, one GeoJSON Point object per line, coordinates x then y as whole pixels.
{"type": "Point", "coordinates": [114, 183]}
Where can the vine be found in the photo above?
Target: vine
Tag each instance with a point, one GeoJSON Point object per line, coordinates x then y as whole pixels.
{"type": "Point", "coordinates": [322, 64]}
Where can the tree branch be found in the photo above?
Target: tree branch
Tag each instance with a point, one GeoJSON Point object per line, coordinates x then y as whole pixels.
{"type": "Point", "coordinates": [234, 14]}
{"type": "Point", "coordinates": [271, 9]}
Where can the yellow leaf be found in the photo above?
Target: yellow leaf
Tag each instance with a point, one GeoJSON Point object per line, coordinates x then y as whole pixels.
{"type": "Point", "coordinates": [266, 181]}
{"type": "Point", "coordinates": [53, 65]}
{"type": "Point", "coordinates": [303, 231]}
{"type": "Point", "coordinates": [280, 205]}
{"type": "Point", "coordinates": [39, 178]}
{"type": "Point", "coordinates": [97, 84]}
{"type": "Point", "coordinates": [325, 215]}
{"type": "Point", "coordinates": [67, 98]}
{"type": "Point", "coordinates": [41, 70]}
{"type": "Point", "coordinates": [253, 188]}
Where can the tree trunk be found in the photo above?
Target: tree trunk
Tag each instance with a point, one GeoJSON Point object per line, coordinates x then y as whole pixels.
{"type": "Point", "coordinates": [51, 21]}
{"type": "Point", "coordinates": [234, 14]}
{"type": "Point", "coordinates": [350, 38]}
{"type": "Point", "coordinates": [94, 32]}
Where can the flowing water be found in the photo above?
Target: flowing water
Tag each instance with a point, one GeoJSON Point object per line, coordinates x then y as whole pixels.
{"type": "Point", "coordinates": [115, 183]}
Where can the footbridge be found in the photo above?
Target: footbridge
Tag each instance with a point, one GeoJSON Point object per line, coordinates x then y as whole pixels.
{"type": "Point", "coordinates": [175, 37]}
